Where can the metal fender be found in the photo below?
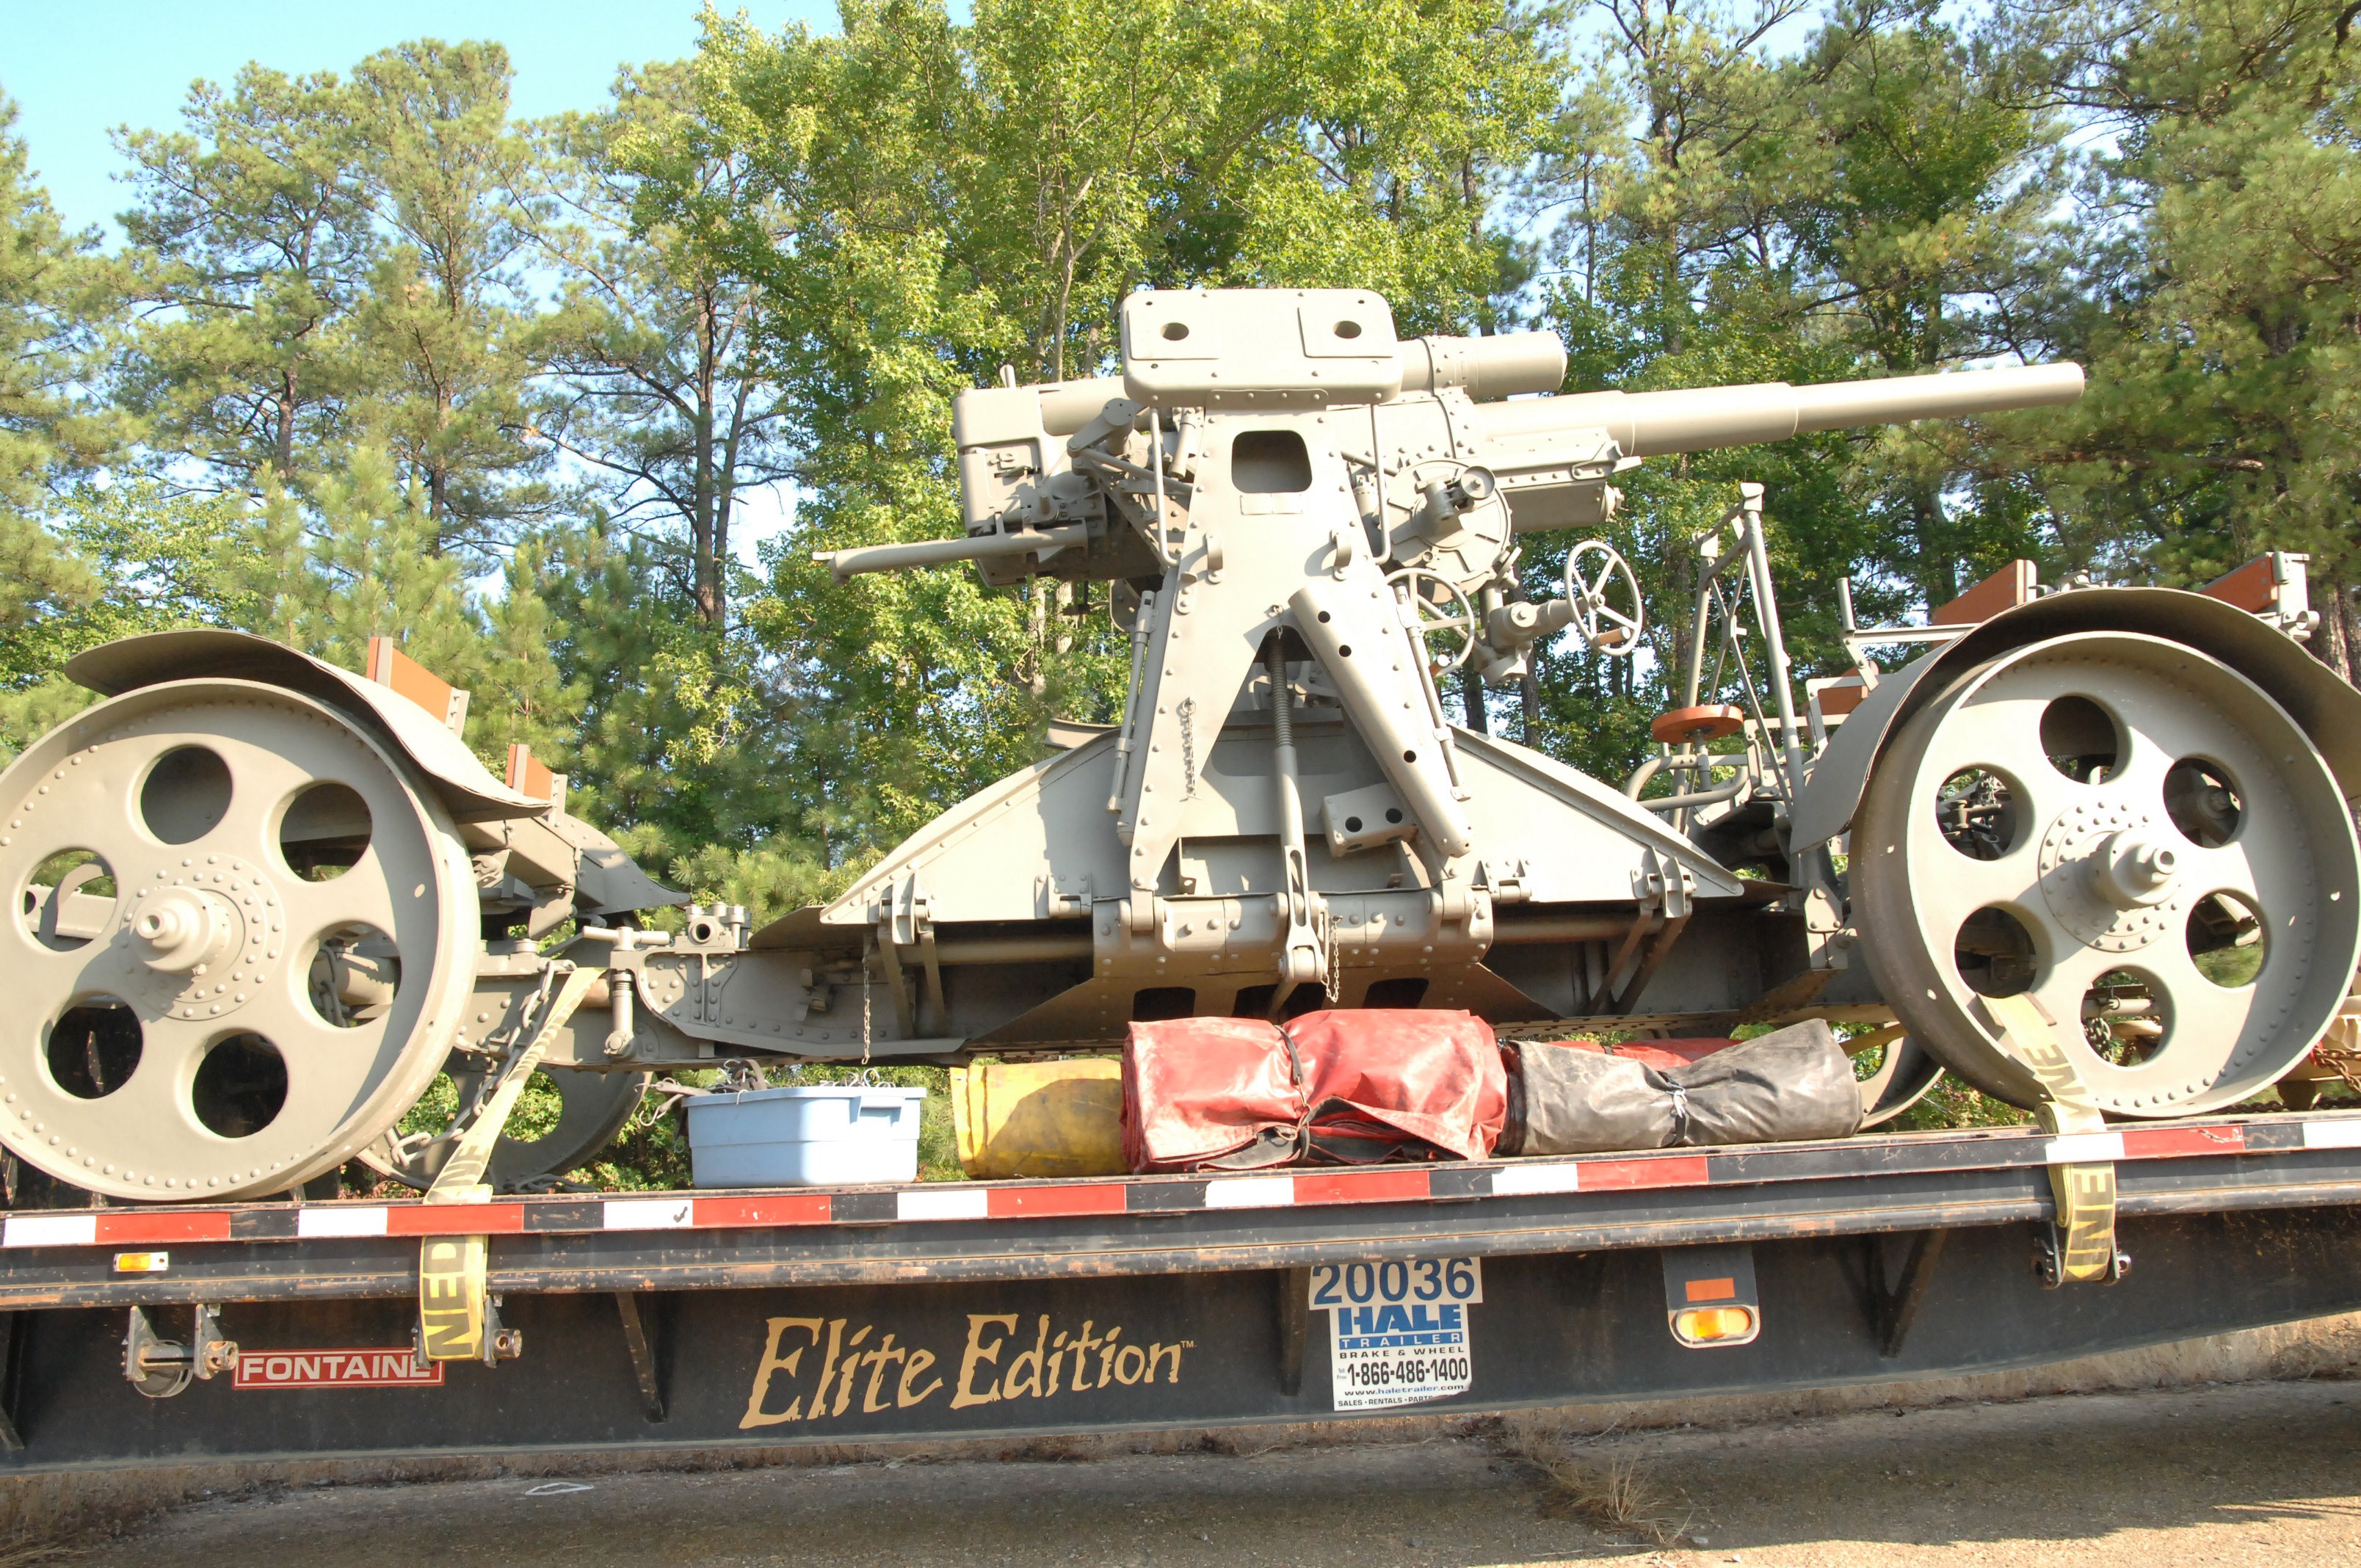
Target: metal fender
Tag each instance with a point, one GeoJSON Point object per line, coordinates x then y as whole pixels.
{"type": "Point", "coordinates": [467, 788]}
{"type": "Point", "coordinates": [2327, 709]}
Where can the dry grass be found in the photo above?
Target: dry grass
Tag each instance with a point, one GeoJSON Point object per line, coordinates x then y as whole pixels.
{"type": "Point", "coordinates": [26, 1549]}
{"type": "Point", "coordinates": [1611, 1494]}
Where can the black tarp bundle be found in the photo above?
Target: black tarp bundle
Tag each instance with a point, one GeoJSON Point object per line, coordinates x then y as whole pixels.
{"type": "Point", "coordinates": [1788, 1086]}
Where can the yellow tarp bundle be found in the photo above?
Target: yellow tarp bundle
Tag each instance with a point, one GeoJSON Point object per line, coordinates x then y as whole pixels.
{"type": "Point", "coordinates": [1057, 1118]}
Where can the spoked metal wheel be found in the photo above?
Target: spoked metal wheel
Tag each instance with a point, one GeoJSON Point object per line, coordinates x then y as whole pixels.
{"type": "Point", "coordinates": [2135, 835]}
{"type": "Point", "coordinates": [592, 1109]}
{"type": "Point", "coordinates": [243, 936]}
{"type": "Point", "coordinates": [1440, 615]}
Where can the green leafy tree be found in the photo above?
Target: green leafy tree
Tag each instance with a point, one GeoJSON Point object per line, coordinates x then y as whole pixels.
{"type": "Point", "coordinates": [962, 197]}
{"type": "Point", "coordinates": [2217, 290]}
{"type": "Point", "coordinates": [51, 311]}
{"type": "Point", "coordinates": [1855, 208]}
{"type": "Point", "coordinates": [656, 350]}
{"type": "Point", "coordinates": [351, 556]}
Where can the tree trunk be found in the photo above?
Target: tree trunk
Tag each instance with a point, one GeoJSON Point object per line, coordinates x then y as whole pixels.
{"type": "Point", "coordinates": [1471, 701]}
{"type": "Point", "coordinates": [2342, 618]}
{"type": "Point", "coordinates": [283, 438]}
{"type": "Point", "coordinates": [705, 568]}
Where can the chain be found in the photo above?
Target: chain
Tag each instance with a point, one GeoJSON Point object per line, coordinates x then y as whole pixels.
{"type": "Point", "coordinates": [2345, 1064]}
{"type": "Point", "coordinates": [1187, 714]}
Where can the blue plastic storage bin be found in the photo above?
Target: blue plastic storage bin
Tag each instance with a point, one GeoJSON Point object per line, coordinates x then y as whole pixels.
{"type": "Point", "coordinates": [828, 1135]}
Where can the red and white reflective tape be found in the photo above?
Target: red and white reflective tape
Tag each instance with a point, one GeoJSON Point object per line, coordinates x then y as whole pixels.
{"type": "Point", "coordinates": [966, 1203]}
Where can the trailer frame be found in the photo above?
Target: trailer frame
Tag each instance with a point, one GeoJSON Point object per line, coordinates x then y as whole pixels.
{"type": "Point", "coordinates": [654, 1319]}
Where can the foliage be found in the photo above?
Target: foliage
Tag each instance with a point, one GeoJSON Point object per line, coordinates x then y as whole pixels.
{"type": "Point", "coordinates": [2218, 289]}
{"type": "Point", "coordinates": [938, 200]}
{"type": "Point", "coordinates": [52, 313]}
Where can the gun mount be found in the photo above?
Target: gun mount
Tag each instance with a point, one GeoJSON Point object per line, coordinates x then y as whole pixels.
{"type": "Point", "coordinates": [1305, 522]}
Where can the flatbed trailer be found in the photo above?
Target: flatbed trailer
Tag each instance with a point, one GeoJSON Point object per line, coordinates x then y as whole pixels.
{"type": "Point", "coordinates": [1037, 1307]}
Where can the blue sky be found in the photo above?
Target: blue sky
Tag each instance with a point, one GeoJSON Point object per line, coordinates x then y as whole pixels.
{"type": "Point", "coordinates": [79, 67]}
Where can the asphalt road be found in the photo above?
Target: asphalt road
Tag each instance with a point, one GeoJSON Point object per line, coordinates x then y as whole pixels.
{"type": "Point", "coordinates": [2238, 1473]}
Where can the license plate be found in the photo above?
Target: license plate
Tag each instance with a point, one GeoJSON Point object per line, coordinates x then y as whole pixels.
{"type": "Point", "coordinates": [1398, 1331]}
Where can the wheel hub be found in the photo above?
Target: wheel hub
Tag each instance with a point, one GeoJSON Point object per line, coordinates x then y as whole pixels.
{"type": "Point", "coordinates": [2108, 877]}
{"type": "Point", "coordinates": [215, 925]}
{"type": "Point", "coordinates": [185, 932]}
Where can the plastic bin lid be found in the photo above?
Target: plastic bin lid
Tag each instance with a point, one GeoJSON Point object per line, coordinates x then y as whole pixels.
{"type": "Point", "coordinates": [811, 1091]}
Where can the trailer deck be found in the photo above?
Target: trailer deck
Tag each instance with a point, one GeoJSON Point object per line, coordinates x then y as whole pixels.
{"type": "Point", "coordinates": [951, 1310]}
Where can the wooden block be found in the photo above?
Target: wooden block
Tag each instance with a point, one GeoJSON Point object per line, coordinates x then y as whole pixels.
{"type": "Point", "coordinates": [2013, 585]}
{"type": "Point", "coordinates": [1835, 701]}
{"type": "Point", "coordinates": [2253, 587]}
{"type": "Point", "coordinates": [527, 776]}
{"type": "Point", "coordinates": [389, 666]}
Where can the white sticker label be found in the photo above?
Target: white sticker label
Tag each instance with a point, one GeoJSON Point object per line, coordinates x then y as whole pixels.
{"type": "Point", "coordinates": [1397, 1331]}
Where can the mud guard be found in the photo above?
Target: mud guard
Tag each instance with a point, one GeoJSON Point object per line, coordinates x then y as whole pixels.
{"type": "Point", "coordinates": [467, 787]}
{"type": "Point", "coordinates": [2327, 709]}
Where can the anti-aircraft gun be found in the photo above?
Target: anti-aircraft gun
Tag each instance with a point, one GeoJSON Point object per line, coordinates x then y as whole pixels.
{"type": "Point", "coordinates": [2126, 803]}
{"type": "Point", "coordinates": [1307, 521]}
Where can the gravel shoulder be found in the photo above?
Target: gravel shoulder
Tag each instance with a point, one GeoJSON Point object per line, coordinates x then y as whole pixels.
{"type": "Point", "coordinates": [2259, 1473]}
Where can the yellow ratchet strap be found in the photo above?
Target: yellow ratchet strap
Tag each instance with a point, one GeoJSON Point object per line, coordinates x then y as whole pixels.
{"type": "Point", "coordinates": [451, 1297]}
{"type": "Point", "coordinates": [2083, 1152]}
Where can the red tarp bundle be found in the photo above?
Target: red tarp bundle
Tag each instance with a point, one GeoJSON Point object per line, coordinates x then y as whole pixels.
{"type": "Point", "coordinates": [1356, 1087]}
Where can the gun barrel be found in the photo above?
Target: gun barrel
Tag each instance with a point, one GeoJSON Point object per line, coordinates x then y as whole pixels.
{"type": "Point", "coordinates": [1651, 425]}
{"type": "Point", "coordinates": [849, 564]}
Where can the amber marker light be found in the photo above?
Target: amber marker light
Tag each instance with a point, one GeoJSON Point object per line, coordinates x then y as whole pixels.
{"type": "Point", "coordinates": [1699, 1327]}
{"type": "Point", "coordinates": [1709, 1296]}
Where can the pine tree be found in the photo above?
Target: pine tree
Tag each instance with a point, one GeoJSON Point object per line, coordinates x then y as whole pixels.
{"type": "Point", "coordinates": [443, 383]}
{"type": "Point", "coordinates": [251, 244]}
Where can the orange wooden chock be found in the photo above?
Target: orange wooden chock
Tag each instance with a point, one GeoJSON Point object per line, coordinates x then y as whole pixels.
{"type": "Point", "coordinates": [1688, 726]}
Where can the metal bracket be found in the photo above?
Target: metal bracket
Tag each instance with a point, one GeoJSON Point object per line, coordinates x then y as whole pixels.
{"type": "Point", "coordinates": [2054, 1259]}
{"type": "Point", "coordinates": [1892, 1309]}
{"type": "Point", "coordinates": [1066, 897]}
{"type": "Point", "coordinates": [1293, 1309]}
{"type": "Point", "coordinates": [1507, 879]}
{"type": "Point", "coordinates": [1661, 887]}
{"type": "Point", "coordinates": [160, 1369]}
{"type": "Point", "coordinates": [903, 922]}
{"type": "Point", "coordinates": [12, 1336]}
{"type": "Point", "coordinates": [634, 1308]}
{"type": "Point", "coordinates": [496, 1342]}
